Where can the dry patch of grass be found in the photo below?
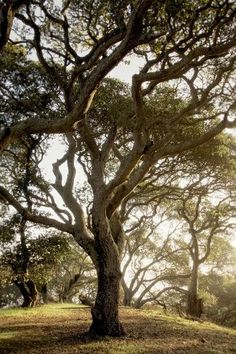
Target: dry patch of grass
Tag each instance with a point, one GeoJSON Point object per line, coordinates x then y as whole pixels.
{"type": "Point", "coordinates": [62, 328]}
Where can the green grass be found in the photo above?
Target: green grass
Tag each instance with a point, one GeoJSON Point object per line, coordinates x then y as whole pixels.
{"type": "Point", "coordinates": [61, 328]}
{"type": "Point", "coordinates": [40, 311]}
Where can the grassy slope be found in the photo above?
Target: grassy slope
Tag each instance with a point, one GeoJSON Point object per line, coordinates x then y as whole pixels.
{"type": "Point", "coordinates": [61, 329]}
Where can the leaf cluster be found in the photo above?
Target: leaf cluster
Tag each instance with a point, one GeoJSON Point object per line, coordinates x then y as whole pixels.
{"type": "Point", "coordinates": [25, 90]}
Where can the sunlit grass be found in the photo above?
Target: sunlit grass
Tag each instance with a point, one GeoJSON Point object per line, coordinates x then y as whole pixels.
{"type": "Point", "coordinates": [41, 310]}
{"type": "Point", "coordinates": [190, 324]}
{"type": "Point", "coordinates": [8, 335]}
{"type": "Point", "coordinates": [62, 328]}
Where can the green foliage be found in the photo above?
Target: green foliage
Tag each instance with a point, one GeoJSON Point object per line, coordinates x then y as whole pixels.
{"type": "Point", "coordinates": [222, 258]}
{"type": "Point", "coordinates": [215, 155]}
{"type": "Point", "coordinates": [100, 17]}
{"type": "Point", "coordinates": [45, 252]}
{"type": "Point", "coordinates": [48, 248]}
{"type": "Point", "coordinates": [25, 90]}
{"type": "Point", "coordinates": [111, 106]}
{"type": "Point", "coordinates": [74, 275]}
{"type": "Point", "coordinates": [221, 288]}
{"type": "Point", "coordinates": [8, 226]}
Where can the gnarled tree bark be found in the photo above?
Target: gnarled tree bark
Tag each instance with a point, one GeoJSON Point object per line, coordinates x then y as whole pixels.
{"type": "Point", "coordinates": [8, 9]}
{"type": "Point", "coordinates": [105, 311]}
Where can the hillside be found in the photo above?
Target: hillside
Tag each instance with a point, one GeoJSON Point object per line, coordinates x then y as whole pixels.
{"type": "Point", "coordinates": [61, 329]}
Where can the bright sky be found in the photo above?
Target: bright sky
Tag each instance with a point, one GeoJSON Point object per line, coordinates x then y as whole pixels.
{"type": "Point", "coordinates": [125, 71]}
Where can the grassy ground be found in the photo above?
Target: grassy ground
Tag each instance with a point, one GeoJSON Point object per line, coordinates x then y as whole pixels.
{"type": "Point", "coordinates": [61, 329]}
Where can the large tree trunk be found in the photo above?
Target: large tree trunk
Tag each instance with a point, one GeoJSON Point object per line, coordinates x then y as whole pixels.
{"type": "Point", "coordinates": [108, 247]}
{"type": "Point", "coordinates": [105, 311]}
{"type": "Point", "coordinates": [194, 303]}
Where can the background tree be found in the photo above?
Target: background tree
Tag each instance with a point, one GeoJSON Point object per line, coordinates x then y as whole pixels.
{"type": "Point", "coordinates": [219, 292]}
{"type": "Point", "coordinates": [73, 278]}
{"type": "Point", "coordinates": [150, 249]}
{"type": "Point", "coordinates": [217, 282]}
{"type": "Point", "coordinates": [204, 221]}
{"type": "Point", "coordinates": [216, 285]}
{"type": "Point", "coordinates": [44, 252]}
{"type": "Point", "coordinates": [149, 266]}
{"type": "Point", "coordinates": [146, 209]}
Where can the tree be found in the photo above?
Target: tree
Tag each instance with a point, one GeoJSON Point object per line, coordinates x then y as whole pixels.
{"type": "Point", "coordinates": [217, 282]}
{"type": "Point", "coordinates": [151, 254]}
{"type": "Point", "coordinates": [186, 47]}
{"type": "Point", "coordinates": [204, 220]}
{"type": "Point", "coordinates": [149, 267]}
{"type": "Point", "coordinates": [34, 265]}
{"type": "Point", "coordinates": [75, 276]}
{"type": "Point", "coordinates": [220, 287]}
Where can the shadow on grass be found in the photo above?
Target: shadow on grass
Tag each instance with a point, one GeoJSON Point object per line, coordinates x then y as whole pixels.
{"type": "Point", "coordinates": [51, 340]}
{"type": "Point", "coordinates": [14, 339]}
{"type": "Point", "coordinates": [144, 334]}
